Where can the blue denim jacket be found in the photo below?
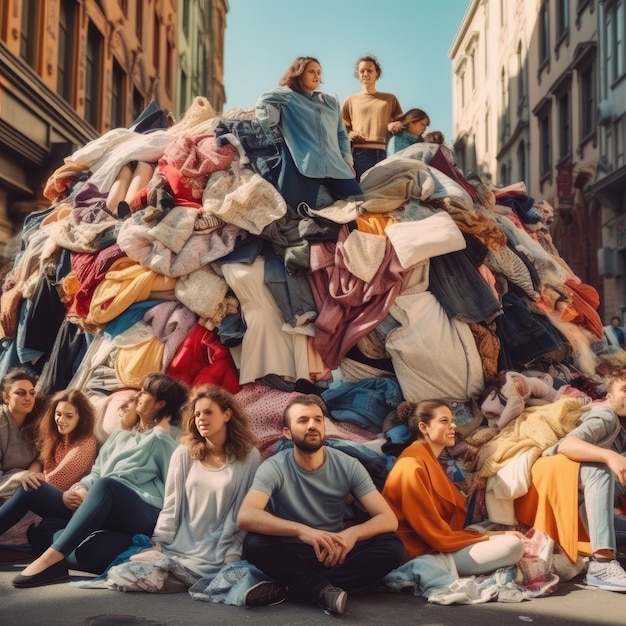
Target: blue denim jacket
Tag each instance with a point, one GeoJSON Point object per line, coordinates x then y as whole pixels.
{"type": "Point", "coordinates": [312, 128]}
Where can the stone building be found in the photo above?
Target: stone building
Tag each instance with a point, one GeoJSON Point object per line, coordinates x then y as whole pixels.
{"type": "Point", "coordinates": [71, 70]}
{"type": "Point", "coordinates": [609, 186]}
{"type": "Point", "coordinates": [524, 108]}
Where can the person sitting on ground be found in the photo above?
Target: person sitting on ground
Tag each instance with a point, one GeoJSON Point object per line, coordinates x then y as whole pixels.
{"type": "Point", "coordinates": [67, 450]}
{"type": "Point", "coordinates": [303, 543]}
{"type": "Point", "coordinates": [369, 116]}
{"type": "Point", "coordinates": [210, 473]}
{"type": "Point", "coordinates": [122, 493]}
{"type": "Point", "coordinates": [66, 441]}
{"type": "Point", "coordinates": [304, 115]}
{"type": "Point", "coordinates": [430, 509]}
{"type": "Point", "coordinates": [19, 414]}
{"type": "Point", "coordinates": [413, 124]}
{"type": "Point", "coordinates": [587, 462]}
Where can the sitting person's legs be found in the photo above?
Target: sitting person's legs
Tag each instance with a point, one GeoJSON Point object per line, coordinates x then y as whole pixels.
{"type": "Point", "coordinates": [486, 557]}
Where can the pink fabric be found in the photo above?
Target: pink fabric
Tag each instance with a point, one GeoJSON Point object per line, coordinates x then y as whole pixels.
{"type": "Point", "coordinates": [348, 307]}
{"type": "Point", "coordinates": [264, 407]}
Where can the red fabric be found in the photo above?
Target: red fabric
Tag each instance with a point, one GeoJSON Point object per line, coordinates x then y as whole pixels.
{"type": "Point", "coordinates": [202, 359]}
{"type": "Point", "coordinates": [90, 269]}
{"type": "Point", "coordinates": [440, 162]}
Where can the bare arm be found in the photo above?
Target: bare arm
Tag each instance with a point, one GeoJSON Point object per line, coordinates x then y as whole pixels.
{"type": "Point", "coordinates": [576, 449]}
{"type": "Point", "coordinates": [254, 517]}
{"type": "Point", "coordinates": [382, 520]}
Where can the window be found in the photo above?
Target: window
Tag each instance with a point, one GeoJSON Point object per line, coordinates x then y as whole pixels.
{"type": "Point", "coordinates": [169, 62]}
{"type": "Point", "coordinates": [521, 161]}
{"type": "Point", "coordinates": [124, 7]}
{"type": "Point", "coordinates": [504, 177]}
{"type": "Point", "coordinates": [138, 103]}
{"type": "Point", "coordinates": [139, 17]}
{"type": "Point", "coordinates": [184, 88]}
{"type": "Point", "coordinates": [521, 79]}
{"type": "Point", "coordinates": [562, 18]}
{"type": "Point", "coordinates": [93, 69]}
{"type": "Point", "coordinates": [156, 50]}
{"type": "Point", "coordinates": [564, 125]}
{"type": "Point", "coordinates": [544, 34]}
{"type": "Point", "coordinates": [185, 18]}
{"type": "Point", "coordinates": [29, 33]}
{"type": "Point", "coordinates": [587, 102]}
{"type": "Point", "coordinates": [118, 99]}
{"type": "Point", "coordinates": [66, 54]}
{"type": "Point", "coordinates": [545, 155]}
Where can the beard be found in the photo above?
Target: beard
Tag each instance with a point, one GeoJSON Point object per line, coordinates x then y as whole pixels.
{"type": "Point", "coordinates": [308, 445]}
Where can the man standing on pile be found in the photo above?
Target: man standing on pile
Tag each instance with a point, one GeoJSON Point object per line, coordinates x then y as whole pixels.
{"type": "Point", "coordinates": [302, 543]}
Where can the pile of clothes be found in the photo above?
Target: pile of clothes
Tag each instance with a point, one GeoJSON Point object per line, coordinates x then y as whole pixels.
{"type": "Point", "coordinates": [424, 287]}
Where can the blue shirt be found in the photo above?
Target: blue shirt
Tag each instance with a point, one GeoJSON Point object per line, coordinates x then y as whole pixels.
{"type": "Point", "coordinates": [313, 130]}
{"type": "Point", "coordinates": [402, 140]}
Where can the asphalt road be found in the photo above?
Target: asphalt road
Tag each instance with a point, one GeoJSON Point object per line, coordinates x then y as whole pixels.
{"type": "Point", "coordinates": [64, 605]}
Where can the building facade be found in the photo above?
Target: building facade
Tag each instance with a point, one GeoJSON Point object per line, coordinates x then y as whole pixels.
{"type": "Point", "coordinates": [71, 70]}
{"type": "Point", "coordinates": [609, 186]}
{"type": "Point", "coordinates": [532, 115]}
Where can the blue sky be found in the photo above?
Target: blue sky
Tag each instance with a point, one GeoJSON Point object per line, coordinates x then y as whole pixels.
{"type": "Point", "coordinates": [411, 39]}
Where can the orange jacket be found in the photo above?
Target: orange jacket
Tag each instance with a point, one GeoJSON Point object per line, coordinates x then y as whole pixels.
{"type": "Point", "coordinates": [430, 509]}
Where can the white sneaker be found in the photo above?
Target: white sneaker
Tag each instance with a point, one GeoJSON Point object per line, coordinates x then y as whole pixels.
{"type": "Point", "coordinates": [609, 575]}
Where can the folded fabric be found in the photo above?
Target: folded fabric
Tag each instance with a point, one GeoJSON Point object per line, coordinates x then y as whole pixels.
{"type": "Point", "coordinates": [203, 292]}
{"type": "Point", "coordinates": [363, 254]}
{"type": "Point", "coordinates": [243, 198]}
{"type": "Point", "coordinates": [175, 228]}
{"type": "Point", "coordinates": [418, 241]}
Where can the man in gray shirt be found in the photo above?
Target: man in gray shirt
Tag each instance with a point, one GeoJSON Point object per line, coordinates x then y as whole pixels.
{"type": "Point", "coordinates": [302, 542]}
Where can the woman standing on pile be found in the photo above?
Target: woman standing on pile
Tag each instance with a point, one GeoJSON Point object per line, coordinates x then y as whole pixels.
{"type": "Point", "coordinates": [209, 475]}
{"type": "Point", "coordinates": [317, 147]}
{"type": "Point", "coordinates": [18, 420]}
{"type": "Point", "coordinates": [430, 509]}
{"type": "Point", "coordinates": [122, 493]}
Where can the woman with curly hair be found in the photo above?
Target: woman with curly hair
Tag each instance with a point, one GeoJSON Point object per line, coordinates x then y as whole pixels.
{"type": "Point", "coordinates": [122, 493]}
{"type": "Point", "coordinates": [210, 472]}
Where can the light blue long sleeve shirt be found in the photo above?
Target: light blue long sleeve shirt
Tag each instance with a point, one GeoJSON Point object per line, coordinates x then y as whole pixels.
{"type": "Point", "coordinates": [139, 461]}
{"type": "Point", "coordinates": [313, 130]}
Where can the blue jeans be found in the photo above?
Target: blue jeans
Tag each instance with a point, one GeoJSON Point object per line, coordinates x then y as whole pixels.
{"type": "Point", "coordinates": [108, 505]}
{"type": "Point", "coordinates": [296, 188]}
{"type": "Point", "coordinates": [364, 158]}
{"type": "Point", "coordinates": [597, 510]}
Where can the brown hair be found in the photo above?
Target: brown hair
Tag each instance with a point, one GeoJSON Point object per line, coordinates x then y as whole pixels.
{"type": "Point", "coordinates": [371, 59]}
{"type": "Point", "coordinates": [28, 429]}
{"type": "Point", "coordinates": [172, 392]}
{"type": "Point", "coordinates": [412, 115]}
{"type": "Point", "coordinates": [415, 414]}
{"type": "Point", "coordinates": [239, 438]}
{"type": "Point", "coordinates": [616, 376]}
{"type": "Point", "coordinates": [291, 77]}
{"type": "Point", "coordinates": [308, 400]}
{"type": "Point", "coordinates": [48, 435]}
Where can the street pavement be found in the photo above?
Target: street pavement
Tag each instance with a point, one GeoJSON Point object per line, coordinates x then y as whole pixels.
{"type": "Point", "coordinates": [63, 605]}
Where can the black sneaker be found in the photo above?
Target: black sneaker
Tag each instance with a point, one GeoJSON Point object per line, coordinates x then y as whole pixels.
{"type": "Point", "coordinates": [266, 593]}
{"type": "Point", "coordinates": [332, 599]}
